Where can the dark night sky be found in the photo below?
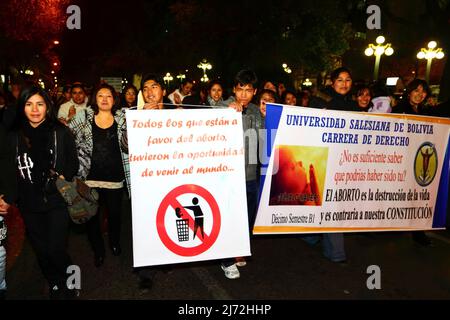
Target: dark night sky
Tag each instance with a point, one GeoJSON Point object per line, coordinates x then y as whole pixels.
{"type": "Point", "coordinates": [120, 38]}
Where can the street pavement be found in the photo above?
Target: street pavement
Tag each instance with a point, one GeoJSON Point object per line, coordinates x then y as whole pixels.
{"type": "Point", "coordinates": [282, 267]}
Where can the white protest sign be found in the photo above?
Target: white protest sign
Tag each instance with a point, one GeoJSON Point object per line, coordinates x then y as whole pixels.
{"type": "Point", "coordinates": [187, 185]}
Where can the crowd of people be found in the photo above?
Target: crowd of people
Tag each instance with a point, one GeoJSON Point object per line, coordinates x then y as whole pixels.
{"type": "Point", "coordinates": [75, 135]}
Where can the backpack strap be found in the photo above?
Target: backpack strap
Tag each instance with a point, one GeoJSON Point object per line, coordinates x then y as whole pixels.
{"type": "Point", "coordinates": [53, 172]}
{"type": "Point", "coordinates": [55, 150]}
{"type": "Point", "coordinates": [58, 149]}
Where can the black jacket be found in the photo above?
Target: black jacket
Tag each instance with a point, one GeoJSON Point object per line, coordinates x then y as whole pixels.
{"type": "Point", "coordinates": [49, 146]}
{"type": "Point", "coordinates": [8, 181]}
{"type": "Point", "coordinates": [9, 115]}
{"type": "Point", "coordinates": [330, 99]}
{"type": "Point", "coordinates": [405, 107]}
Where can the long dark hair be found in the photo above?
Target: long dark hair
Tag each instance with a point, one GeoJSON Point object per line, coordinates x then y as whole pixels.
{"type": "Point", "coordinates": [94, 104]}
{"type": "Point", "coordinates": [26, 93]}
{"type": "Point", "coordinates": [336, 72]}
{"type": "Point", "coordinates": [414, 84]}
{"type": "Point", "coordinates": [123, 100]}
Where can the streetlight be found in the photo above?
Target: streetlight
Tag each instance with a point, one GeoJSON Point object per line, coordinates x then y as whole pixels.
{"type": "Point", "coordinates": [378, 50]}
{"type": "Point", "coordinates": [307, 83]}
{"type": "Point", "coordinates": [286, 68]}
{"type": "Point", "coordinates": [181, 76]}
{"type": "Point", "coordinates": [167, 78]}
{"type": "Point", "coordinates": [204, 78]}
{"type": "Point", "coordinates": [429, 54]}
{"type": "Point", "coordinates": [204, 65]}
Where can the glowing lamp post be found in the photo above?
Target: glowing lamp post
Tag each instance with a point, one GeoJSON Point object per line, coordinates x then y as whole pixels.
{"type": "Point", "coordinates": [307, 83]}
{"type": "Point", "coordinates": [204, 65]}
{"type": "Point", "coordinates": [181, 76]}
{"type": "Point", "coordinates": [378, 50]}
{"type": "Point", "coordinates": [431, 53]}
{"type": "Point", "coordinates": [167, 78]}
{"type": "Point", "coordinates": [286, 68]}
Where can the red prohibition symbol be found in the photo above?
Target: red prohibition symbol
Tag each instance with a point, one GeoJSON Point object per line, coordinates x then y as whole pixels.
{"type": "Point", "coordinates": [170, 200]}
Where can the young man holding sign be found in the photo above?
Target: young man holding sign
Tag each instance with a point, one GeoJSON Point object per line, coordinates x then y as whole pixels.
{"type": "Point", "coordinates": [244, 90]}
{"type": "Point", "coordinates": [153, 91]}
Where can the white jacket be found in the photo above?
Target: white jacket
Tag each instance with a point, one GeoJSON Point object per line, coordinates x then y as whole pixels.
{"type": "Point", "coordinates": [63, 111]}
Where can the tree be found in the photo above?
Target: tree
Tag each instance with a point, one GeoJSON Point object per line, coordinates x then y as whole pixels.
{"type": "Point", "coordinates": [33, 20]}
{"type": "Point", "coordinates": [172, 35]}
{"type": "Point", "coordinates": [439, 11]}
{"type": "Point", "coordinates": [258, 34]}
{"type": "Point", "coordinates": [27, 31]}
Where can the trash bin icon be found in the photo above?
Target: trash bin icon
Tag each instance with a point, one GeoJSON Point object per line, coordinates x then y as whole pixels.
{"type": "Point", "coordinates": [183, 229]}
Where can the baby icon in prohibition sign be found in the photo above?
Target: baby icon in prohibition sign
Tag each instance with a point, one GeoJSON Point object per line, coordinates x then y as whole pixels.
{"type": "Point", "coordinates": [198, 213]}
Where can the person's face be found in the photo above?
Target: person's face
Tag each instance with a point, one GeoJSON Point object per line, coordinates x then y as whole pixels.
{"type": "Point", "coordinates": [305, 99]}
{"type": "Point", "coordinates": [216, 92]}
{"type": "Point", "coordinates": [281, 89]}
{"type": "Point", "coordinates": [78, 95]}
{"type": "Point", "coordinates": [15, 90]}
{"type": "Point", "coordinates": [130, 96]}
{"type": "Point", "coordinates": [417, 96]}
{"type": "Point", "coordinates": [265, 98]}
{"type": "Point", "coordinates": [343, 83]}
{"type": "Point", "coordinates": [364, 98]}
{"type": "Point", "coordinates": [290, 100]}
{"type": "Point", "coordinates": [35, 110]}
{"type": "Point", "coordinates": [186, 89]}
{"type": "Point", "coordinates": [153, 93]}
{"type": "Point", "coordinates": [105, 99]}
{"type": "Point", "coordinates": [270, 86]}
{"type": "Point", "coordinates": [67, 95]}
{"type": "Point", "coordinates": [244, 94]}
